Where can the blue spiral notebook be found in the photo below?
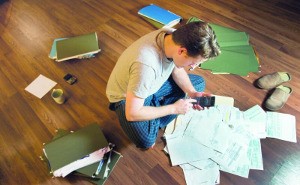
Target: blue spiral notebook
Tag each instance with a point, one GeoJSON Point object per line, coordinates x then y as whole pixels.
{"type": "Point", "coordinates": [160, 15]}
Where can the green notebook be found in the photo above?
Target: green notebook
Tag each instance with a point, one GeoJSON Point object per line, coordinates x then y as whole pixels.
{"type": "Point", "coordinates": [77, 47]}
{"type": "Point", "coordinates": [73, 146]}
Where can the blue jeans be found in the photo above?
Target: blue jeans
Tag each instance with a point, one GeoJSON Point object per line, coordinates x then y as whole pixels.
{"type": "Point", "coordinates": [144, 133]}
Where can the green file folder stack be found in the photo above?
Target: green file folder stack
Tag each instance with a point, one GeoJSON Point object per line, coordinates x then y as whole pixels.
{"type": "Point", "coordinates": [83, 46]}
{"type": "Point", "coordinates": [67, 147]}
{"type": "Point", "coordinates": [237, 55]}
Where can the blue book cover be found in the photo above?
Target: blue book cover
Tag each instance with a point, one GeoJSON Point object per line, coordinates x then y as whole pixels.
{"type": "Point", "coordinates": [160, 15]}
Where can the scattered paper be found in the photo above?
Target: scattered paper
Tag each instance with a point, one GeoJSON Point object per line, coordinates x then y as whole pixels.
{"type": "Point", "coordinates": [281, 126]}
{"type": "Point", "coordinates": [255, 121]}
{"type": "Point", "coordinates": [255, 155]}
{"type": "Point", "coordinates": [183, 152]}
{"type": "Point", "coordinates": [207, 176]}
{"type": "Point", "coordinates": [224, 138]}
{"type": "Point", "coordinates": [40, 86]}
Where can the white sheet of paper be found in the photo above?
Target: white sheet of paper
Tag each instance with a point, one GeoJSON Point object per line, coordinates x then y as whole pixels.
{"type": "Point", "coordinates": [255, 121]}
{"type": "Point", "coordinates": [241, 170]}
{"type": "Point", "coordinates": [40, 86]}
{"type": "Point", "coordinates": [255, 113]}
{"type": "Point", "coordinates": [203, 164]}
{"type": "Point", "coordinates": [235, 158]}
{"type": "Point", "coordinates": [184, 150]}
{"type": "Point", "coordinates": [181, 120]}
{"type": "Point", "coordinates": [224, 100]}
{"type": "Point", "coordinates": [208, 130]}
{"type": "Point", "coordinates": [230, 115]}
{"type": "Point", "coordinates": [281, 126]}
{"type": "Point", "coordinates": [255, 155]}
{"type": "Point", "coordinates": [207, 176]}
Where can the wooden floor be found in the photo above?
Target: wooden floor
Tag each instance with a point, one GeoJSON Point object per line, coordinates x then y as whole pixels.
{"type": "Point", "coordinates": [27, 30]}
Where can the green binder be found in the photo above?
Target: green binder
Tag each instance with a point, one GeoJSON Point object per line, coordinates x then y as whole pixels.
{"type": "Point", "coordinates": [73, 146]}
{"type": "Point", "coordinates": [77, 47]}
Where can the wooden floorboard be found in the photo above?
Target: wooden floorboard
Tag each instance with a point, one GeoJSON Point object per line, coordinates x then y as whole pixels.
{"type": "Point", "coordinates": [27, 30]}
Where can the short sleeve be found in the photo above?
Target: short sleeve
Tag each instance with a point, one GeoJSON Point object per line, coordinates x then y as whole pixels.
{"type": "Point", "coordinates": [141, 79]}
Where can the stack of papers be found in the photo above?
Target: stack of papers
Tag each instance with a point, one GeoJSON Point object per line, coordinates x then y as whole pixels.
{"type": "Point", "coordinates": [237, 55]}
{"type": "Point", "coordinates": [85, 153]}
{"type": "Point", "coordinates": [224, 138]}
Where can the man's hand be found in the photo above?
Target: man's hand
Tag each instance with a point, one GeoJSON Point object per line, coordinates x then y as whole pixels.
{"type": "Point", "coordinates": [182, 106]}
{"type": "Point", "coordinates": [198, 94]}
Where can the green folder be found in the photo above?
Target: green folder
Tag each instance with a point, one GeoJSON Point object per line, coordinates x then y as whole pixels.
{"type": "Point", "coordinates": [233, 62]}
{"type": "Point", "coordinates": [232, 39]}
{"type": "Point", "coordinates": [77, 47]}
{"type": "Point", "coordinates": [88, 171]}
{"type": "Point", "coordinates": [53, 53]}
{"type": "Point", "coordinates": [221, 29]}
{"type": "Point", "coordinates": [237, 55]}
{"type": "Point", "coordinates": [73, 146]}
{"type": "Point", "coordinates": [59, 133]}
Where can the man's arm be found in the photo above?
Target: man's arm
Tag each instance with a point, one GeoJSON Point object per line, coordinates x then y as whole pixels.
{"type": "Point", "coordinates": [182, 79]}
{"type": "Point", "coordinates": [136, 111]}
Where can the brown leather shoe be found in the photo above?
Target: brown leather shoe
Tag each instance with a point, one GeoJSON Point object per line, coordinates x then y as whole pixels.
{"type": "Point", "coordinates": [273, 80]}
{"type": "Point", "coordinates": [278, 98]}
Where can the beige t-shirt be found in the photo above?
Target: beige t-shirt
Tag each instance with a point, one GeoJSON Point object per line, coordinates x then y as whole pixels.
{"type": "Point", "coordinates": [141, 69]}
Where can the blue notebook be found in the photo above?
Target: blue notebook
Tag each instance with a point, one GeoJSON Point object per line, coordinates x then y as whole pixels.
{"type": "Point", "coordinates": [160, 15]}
